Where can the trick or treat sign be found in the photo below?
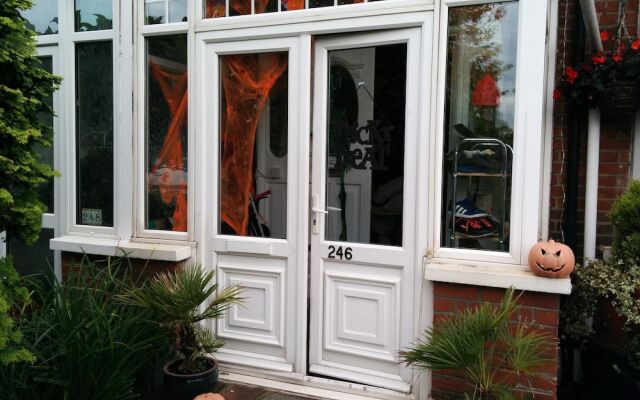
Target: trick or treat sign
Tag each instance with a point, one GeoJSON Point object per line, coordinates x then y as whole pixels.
{"type": "Point", "coordinates": [368, 145]}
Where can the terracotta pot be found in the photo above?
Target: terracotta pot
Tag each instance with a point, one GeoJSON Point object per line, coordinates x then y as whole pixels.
{"type": "Point", "coordinates": [186, 387]}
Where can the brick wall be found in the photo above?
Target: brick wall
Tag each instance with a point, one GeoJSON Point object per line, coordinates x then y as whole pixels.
{"type": "Point", "coordinates": [540, 309]}
{"type": "Point", "coordinates": [616, 131]}
{"type": "Point", "coordinates": [139, 268]}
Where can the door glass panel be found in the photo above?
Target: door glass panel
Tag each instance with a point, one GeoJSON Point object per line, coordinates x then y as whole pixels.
{"type": "Point", "coordinates": [365, 145]}
{"type": "Point", "coordinates": [479, 121]}
{"type": "Point", "coordinates": [253, 151]}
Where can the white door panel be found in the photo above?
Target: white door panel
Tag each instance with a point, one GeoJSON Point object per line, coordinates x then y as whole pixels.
{"type": "Point", "coordinates": [362, 301]}
{"type": "Point", "coordinates": [264, 331]}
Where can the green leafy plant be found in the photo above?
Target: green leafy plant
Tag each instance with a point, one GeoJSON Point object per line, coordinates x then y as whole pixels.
{"type": "Point", "coordinates": [486, 348]}
{"type": "Point", "coordinates": [13, 297]}
{"type": "Point", "coordinates": [177, 298]}
{"type": "Point", "coordinates": [615, 281]}
{"type": "Point", "coordinates": [87, 344]}
{"type": "Point", "coordinates": [24, 89]}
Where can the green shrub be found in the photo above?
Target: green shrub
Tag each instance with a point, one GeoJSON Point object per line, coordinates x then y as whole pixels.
{"type": "Point", "coordinates": [87, 344]}
{"type": "Point", "coordinates": [625, 217]}
{"type": "Point", "coordinates": [13, 296]}
{"type": "Point", "coordinates": [24, 88]}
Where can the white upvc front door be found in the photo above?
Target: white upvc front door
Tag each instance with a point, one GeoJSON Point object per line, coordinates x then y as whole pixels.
{"type": "Point", "coordinates": [259, 243]}
{"type": "Point", "coordinates": [327, 264]}
{"type": "Point", "coordinates": [361, 278]}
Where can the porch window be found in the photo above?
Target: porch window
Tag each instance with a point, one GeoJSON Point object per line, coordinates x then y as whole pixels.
{"type": "Point", "coordinates": [166, 133]}
{"type": "Point", "coordinates": [42, 18]}
{"type": "Point", "coordinates": [94, 133]}
{"type": "Point", "coordinates": [479, 125]}
{"type": "Point", "coordinates": [231, 8]}
{"type": "Point", "coordinates": [164, 11]}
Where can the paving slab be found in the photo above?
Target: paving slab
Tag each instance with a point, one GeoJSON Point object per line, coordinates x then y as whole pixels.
{"type": "Point", "coordinates": [236, 391]}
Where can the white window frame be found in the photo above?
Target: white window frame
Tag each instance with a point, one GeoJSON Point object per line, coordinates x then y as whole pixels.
{"type": "Point", "coordinates": [527, 146]}
{"type": "Point", "coordinates": [142, 32]}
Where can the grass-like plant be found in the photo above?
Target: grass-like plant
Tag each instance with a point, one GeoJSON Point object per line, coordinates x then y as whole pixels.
{"type": "Point", "coordinates": [182, 300]}
{"type": "Point", "coordinates": [87, 344]}
{"type": "Point", "coordinates": [489, 350]}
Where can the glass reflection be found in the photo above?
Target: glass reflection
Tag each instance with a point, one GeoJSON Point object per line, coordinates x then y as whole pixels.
{"type": "Point", "coordinates": [93, 15]}
{"type": "Point", "coordinates": [479, 121]}
{"type": "Point", "coordinates": [163, 11]}
{"type": "Point", "coordinates": [42, 18]}
{"type": "Point", "coordinates": [365, 164]}
{"type": "Point", "coordinates": [45, 190]}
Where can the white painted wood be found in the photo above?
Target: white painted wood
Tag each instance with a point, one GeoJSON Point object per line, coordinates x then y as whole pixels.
{"type": "Point", "coordinates": [635, 155]}
{"type": "Point", "coordinates": [361, 310]}
{"type": "Point", "coordinates": [591, 184]}
{"type": "Point", "coordinates": [505, 276]}
{"type": "Point", "coordinates": [267, 268]}
{"type": "Point", "coordinates": [114, 247]}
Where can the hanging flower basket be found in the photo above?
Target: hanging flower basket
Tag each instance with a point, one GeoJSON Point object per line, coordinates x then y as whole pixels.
{"type": "Point", "coordinates": [620, 97]}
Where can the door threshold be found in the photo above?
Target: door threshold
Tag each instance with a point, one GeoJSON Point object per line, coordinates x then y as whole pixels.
{"type": "Point", "coordinates": [320, 388]}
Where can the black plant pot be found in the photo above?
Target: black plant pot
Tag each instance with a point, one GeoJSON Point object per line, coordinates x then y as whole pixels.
{"type": "Point", "coordinates": [186, 387]}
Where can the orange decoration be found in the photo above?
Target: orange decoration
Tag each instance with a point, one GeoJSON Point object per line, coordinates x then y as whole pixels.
{"type": "Point", "coordinates": [247, 82]}
{"type": "Point", "coordinates": [216, 8]}
{"type": "Point", "coordinates": [486, 93]}
{"type": "Point", "coordinates": [551, 259]}
{"type": "Point", "coordinates": [295, 5]}
{"type": "Point", "coordinates": [169, 164]}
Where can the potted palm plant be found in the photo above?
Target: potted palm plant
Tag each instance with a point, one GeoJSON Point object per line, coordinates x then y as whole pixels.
{"type": "Point", "coordinates": [182, 300]}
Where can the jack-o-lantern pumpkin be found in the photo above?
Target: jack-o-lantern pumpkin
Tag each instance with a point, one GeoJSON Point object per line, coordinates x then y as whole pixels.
{"type": "Point", "coordinates": [551, 259]}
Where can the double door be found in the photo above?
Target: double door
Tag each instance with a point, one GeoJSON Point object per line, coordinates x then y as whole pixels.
{"type": "Point", "coordinates": [310, 187]}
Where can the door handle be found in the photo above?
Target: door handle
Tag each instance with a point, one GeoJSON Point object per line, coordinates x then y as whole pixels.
{"type": "Point", "coordinates": [319, 210]}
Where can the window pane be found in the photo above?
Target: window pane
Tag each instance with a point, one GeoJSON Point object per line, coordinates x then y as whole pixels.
{"type": "Point", "coordinates": [479, 120]}
{"type": "Point", "coordinates": [177, 10]}
{"type": "Point", "coordinates": [32, 259]}
{"type": "Point", "coordinates": [43, 17]}
{"type": "Point", "coordinates": [45, 190]}
{"type": "Point", "coordinates": [156, 11]}
{"type": "Point", "coordinates": [365, 146]}
{"type": "Point", "coordinates": [166, 116]}
{"type": "Point", "coordinates": [94, 133]}
{"type": "Point", "coordinates": [254, 112]}
{"type": "Point", "coordinates": [93, 15]}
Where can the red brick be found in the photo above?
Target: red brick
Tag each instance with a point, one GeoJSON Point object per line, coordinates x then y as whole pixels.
{"type": "Point", "coordinates": [444, 304]}
{"type": "Point", "coordinates": [456, 291]}
{"type": "Point", "coordinates": [541, 300]}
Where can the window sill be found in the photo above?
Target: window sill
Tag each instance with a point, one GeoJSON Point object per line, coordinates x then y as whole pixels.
{"type": "Point", "coordinates": [518, 276]}
{"type": "Point", "coordinates": [112, 247]}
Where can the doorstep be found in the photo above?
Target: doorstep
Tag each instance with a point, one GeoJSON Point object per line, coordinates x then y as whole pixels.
{"type": "Point", "coordinates": [236, 391]}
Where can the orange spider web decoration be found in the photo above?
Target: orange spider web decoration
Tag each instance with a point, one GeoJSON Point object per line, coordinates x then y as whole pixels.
{"type": "Point", "coordinates": [170, 162]}
{"type": "Point", "coordinates": [247, 81]}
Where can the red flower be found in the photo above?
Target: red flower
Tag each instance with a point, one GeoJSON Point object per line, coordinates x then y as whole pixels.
{"type": "Point", "coordinates": [604, 36]}
{"type": "Point", "coordinates": [557, 93]}
{"type": "Point", "coordinates": [598, 59]}
{"type": "Point", "coordinates": [636, 45]}
{"type": "Point", "coordinates": [616, 57]}
{"type": "Point", "coordinates": [621, 48]}
{"type": "Point", "coordinates": [571, 75]}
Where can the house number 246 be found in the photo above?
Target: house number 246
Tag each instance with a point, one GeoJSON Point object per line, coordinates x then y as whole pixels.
{"type": "Point", "coordinates": [340, 253]}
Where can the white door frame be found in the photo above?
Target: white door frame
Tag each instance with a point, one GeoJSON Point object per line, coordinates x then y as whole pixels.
{"type": "Point", "coordinates": [383, 275]}
{"type": "Point", "coordinates": [275, 268]}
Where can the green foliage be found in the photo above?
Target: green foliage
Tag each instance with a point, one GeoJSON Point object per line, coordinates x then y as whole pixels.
{"type": "Point", "coordinates": [625, 217]}
{"type": "Point", "coordinates": [87, 344]}
{"type": "Point", "coordinates": [616, 281]}
{"type": "Point", "coordinates": [176, 299]}
{"type": "Point", "coordinates": [13, 297]}
{"type": "Point", "coordinates": [481, 342]}
{"type": "Point", "coordinates": [24, 88]}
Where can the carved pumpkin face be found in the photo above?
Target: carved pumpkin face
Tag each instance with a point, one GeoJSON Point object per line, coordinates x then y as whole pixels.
{"type": "Point", "coordinates": [551, 259]}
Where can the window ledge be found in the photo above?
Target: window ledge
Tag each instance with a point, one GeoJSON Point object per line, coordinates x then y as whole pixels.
{"type": "Point", "coordinates": [113, 247]}
{"type": "Point", "coordinates": [518, 276]}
